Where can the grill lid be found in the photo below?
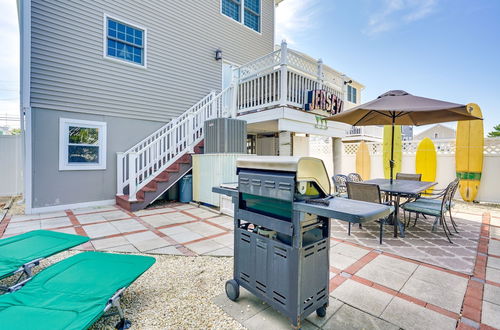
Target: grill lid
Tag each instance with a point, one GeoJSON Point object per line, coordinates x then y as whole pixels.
{"type": "Point", "coordinates": [307, 169]}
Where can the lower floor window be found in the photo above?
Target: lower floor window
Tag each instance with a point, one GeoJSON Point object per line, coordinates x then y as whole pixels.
{"type": "Point", "coordinates": [82, 144]}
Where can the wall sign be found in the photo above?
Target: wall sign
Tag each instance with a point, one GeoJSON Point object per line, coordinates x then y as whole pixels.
{"type": "Point", "coordinates": [319, 99]}
{"type": "Point", "coordinates": [321, 123]}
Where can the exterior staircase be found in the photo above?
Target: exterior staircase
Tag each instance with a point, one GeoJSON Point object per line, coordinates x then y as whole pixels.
{"type": "Point", "coordinates": [152, 166]}
{"type": "Point", "coordinates": [161, 183]}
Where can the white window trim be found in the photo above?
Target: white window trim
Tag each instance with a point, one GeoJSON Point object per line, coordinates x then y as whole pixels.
{"type": "Point", "coordinates": [242, 15]}
{"type": "Point", "coordinates": [350, 100]}
{"type": "Point", "coordinates": [105, 41]}
{"type": "Point", "coordinates": [64, 123]}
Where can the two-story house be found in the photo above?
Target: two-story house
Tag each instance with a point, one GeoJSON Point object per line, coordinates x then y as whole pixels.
{"type": "Point", "coordinates": [114, 93]}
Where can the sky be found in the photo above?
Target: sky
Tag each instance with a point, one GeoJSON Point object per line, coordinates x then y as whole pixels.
{"type": "Point", "coordinates": [444, 49]}
{"type": "Point", "coordinates": [9, 62]}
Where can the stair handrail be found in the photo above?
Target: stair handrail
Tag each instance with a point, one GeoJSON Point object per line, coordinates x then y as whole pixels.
{"type": "Point", "coordinates": [144, 161]}
{"type": "Point", "coordinates": [193, 108]}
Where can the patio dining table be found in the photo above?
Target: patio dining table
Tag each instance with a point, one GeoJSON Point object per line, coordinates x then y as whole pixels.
{"type": "Point", "coordinates": [400, 188]}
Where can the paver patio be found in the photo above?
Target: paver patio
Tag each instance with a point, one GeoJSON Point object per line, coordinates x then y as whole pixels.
{"type": "Point", "coordinates": [417, 282]}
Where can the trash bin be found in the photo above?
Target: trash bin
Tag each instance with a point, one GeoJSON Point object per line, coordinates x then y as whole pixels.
{"type": "Point", "coordinates": [186, 189]}
{"type": "Point", "coordinates": [172, 193]}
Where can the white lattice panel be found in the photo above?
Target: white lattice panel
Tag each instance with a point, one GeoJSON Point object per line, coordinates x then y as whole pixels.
{"type": "Point", "coordinates": [351, 148]}
{"type": "Point", "coordinates": [492, 146]}
{"type": "Point", "coordinates": [260, 65]}
{"type": "Point", "coordinates": [302, 63]}
{"type": "Point", "coordinates": [443, 147]}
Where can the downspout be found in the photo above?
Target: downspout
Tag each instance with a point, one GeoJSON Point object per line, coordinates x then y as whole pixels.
{"type": "Point", "coordinates": [24, 12]}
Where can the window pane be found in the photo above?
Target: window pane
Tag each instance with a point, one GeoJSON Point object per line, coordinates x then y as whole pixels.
{"type": "Point", "coordinates": [253, 5]}
{"type": "Point", "coordinates": [83, 135]}
{"type": "Point", "coordinates": [252, 21]}
{"type": "Point", "coordinates": [111, 33]}
{"type": "Point", "coordinates": [83, 154]}
{"type": "Point", "coordinates": [125, 42]}
{"type": "Point", "coordinates": [232, 9]}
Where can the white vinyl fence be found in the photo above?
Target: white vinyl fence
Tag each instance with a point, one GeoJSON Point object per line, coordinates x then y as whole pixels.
{"type": "Point", "coordinates": [489, 189]}
{"type": "Point", "coordinates": [10, 165]}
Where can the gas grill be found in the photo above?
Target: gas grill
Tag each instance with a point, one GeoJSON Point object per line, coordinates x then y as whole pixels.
{"type": "Point", "coordinates": [282, 207]}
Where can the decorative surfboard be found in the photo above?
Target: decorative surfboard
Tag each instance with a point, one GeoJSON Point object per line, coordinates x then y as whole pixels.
{"type": "Point", "coordinates": [469, 154]}
{"type": "Point", "coordinates": [426, 161]}
{"type": "Point", "coordinates": [398, 150]}
{"type": "Point", "coordinates": [363, 166]}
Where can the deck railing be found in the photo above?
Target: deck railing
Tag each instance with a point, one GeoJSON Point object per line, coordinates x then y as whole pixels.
{"type": "Point", "coordinates": [137, 166]}
{"type": "Point", "coordinates": [282, 78]}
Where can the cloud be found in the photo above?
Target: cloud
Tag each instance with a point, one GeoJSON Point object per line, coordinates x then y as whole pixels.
{"type": "Point", "coordinates": [294, 17]}
{"type": "Point", "coordinates": [396, 13]}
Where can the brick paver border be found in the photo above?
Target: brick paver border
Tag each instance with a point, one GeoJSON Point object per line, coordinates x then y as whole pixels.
{"type": "Point", "coordinates": [469, 318]}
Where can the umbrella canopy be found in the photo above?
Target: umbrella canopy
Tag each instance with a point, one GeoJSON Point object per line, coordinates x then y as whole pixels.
{"type": "Point", "coordinates": [398, 107]}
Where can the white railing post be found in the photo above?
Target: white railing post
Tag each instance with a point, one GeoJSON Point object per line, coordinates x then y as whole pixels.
{"type": "Point", "coordinates": [320, 74]}
{"type": "Point", "coordinates": [213, 109]}
{"type": "Point", "coordinates": [284, 74]}
{"type": "Point", "coordinates": [132, 174]}
{"type": "Point", "coordinates": [119, 173]}
{"type": "Point", "coordinates": [234, 94]}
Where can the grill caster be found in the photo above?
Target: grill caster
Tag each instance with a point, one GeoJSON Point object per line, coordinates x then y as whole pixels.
{"type": "Point", "coordinates": [321, 312]}
{"type": "Point", "coordinates": [232, 290]}
{"type": "Point", "coordinates": [123, 324]}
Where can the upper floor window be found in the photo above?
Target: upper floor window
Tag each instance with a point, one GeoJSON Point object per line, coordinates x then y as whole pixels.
{"type": "Point", "coordinates": [125, 42]}
{"type": "Point", "coordinates": [352, 94]}
{"type": "Point", "coordinates": [243, 11]}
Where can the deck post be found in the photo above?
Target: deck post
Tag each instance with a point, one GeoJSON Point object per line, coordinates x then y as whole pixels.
{"type": "Point", "coordinates": [132, 186]}
{"type": "Point", "coordinates": [234, 93]}
{"type": "Point", "coordinates": [320, 74]}
{"type": "Point", "coordinates": [119, 173]}
{"type": "Point", "coordinates": [284, 74]}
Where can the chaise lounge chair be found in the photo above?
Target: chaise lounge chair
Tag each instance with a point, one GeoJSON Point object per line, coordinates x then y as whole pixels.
{"type": "Point", "coordinates": [20, 253]}
{"type": "Point", "coordinates": [73, 293]}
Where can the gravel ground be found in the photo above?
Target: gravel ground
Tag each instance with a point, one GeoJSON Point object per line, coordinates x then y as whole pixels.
{"type": "Point", "coordinates": [175, 293]}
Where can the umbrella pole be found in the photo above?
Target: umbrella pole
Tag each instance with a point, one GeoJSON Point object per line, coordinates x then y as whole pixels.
{"type": "Point", "coordinates": [391, 162]}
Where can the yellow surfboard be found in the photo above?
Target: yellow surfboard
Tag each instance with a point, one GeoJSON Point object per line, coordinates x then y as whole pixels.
{"type": "Point", "coordinates": [469, 154]}
{"type": "Point", "coordinates": [426, 161]}
{"type": "Point", "coordinates": [363, 165]}
{"type": "Point", "coordinates": [398, 150]}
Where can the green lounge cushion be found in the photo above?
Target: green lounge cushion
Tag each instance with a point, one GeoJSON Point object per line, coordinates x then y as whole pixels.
{"type": "Point", "coordinates": [18, 250]}
{"type": "Point", "coordinates": [72, 293]}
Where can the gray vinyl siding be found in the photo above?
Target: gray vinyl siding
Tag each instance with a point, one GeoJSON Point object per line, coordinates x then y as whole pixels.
{"type": "Point", "coordinates": [53, 187]}
{"type": "Point", "coordinates": [69, 72]}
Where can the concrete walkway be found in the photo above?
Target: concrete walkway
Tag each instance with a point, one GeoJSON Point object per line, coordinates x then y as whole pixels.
{"type": "Point", "coordinates": [371, 287]}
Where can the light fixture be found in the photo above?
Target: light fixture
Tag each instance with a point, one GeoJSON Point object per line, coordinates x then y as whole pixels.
{"type": "Point", "coordinates": [348, 82]}
{"type": "Point", "coordinates": [218, 55]}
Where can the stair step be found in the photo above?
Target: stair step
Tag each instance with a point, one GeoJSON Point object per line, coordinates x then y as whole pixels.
{"type": "Point", "coordinates": [160, 179]}
{"type": "Point", "coordinates": [125, 199]}
{"type": "Point", "coordinates": [148, 189]}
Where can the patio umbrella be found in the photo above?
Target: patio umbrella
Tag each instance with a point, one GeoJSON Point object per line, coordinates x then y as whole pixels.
{"type": "Point", "coordinates": [398, 107]}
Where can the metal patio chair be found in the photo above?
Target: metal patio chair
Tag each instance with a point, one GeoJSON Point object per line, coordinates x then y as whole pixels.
{"type": "Point", "coordinates": [339, 181]}
{"type": "Point", "coordinates": [437, 209]}
{"type": "Point", "coordinates": [409, 176]}
{"type": "Point", "coordinates": [368, 193]}
{"type": "Point", "coordinates": [435, 200]}
{"type": "Point", "coordinates": [354, 177]}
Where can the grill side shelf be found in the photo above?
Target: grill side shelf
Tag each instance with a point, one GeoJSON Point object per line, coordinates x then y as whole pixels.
{"type": "Point", "coordinates": [346, 210]}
